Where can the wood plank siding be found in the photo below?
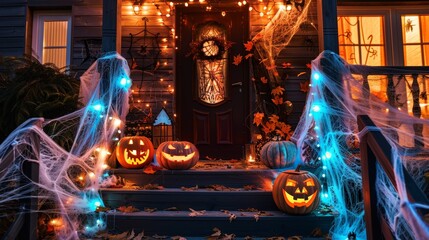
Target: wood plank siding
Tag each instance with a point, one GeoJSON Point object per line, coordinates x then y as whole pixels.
{"type": "Point", "coordinates": [13, 17]}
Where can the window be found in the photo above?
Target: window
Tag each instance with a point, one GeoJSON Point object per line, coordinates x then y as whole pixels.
{"type": "Point", "coordinates": [392, 36]}
{"type": "Point", "coordinates": [52, 38]}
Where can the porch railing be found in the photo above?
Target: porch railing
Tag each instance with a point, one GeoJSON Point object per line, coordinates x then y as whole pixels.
{"type": "Point", "coordinates": [374, 149]}
{"type": "Point", "coordinates": [25, 224]}
{"type": "Point", "coordinates": [399, 72]}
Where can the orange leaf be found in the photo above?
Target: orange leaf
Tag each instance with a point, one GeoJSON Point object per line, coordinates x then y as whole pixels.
{"type": "Point", "coordinates": [277, 91]}
{"type": "Point", "coordinates": [151, 169]}
{"type": "Point", "coordinates": [270, 125]}
{"type": "Point", "coordinates": [248, 45]}
{"type": "Point", "coordinates": [274, 119]}
{"type": "Point", "coordinates": [248, 56]}
{"type": "Point", "coordinates": [308, 65]}
{"type": "Point", "coordinates": [264, 80]}
{"type": "Point", "coordinates": [127, 209]}
{"type": "Point", "coordinates": [277, 100]}
{"type": "Point", "coordinates": [237, 59]}
{"type": "Point", "coordinates": [304, 86]}
{"type": "Point", "coordinates": [287, 65]}
{"type": "Point", "coordinates": [257, 118]}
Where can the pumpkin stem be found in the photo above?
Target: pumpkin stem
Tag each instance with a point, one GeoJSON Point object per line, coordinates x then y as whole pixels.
{"type": "Point", "coordinates": [297, 168]}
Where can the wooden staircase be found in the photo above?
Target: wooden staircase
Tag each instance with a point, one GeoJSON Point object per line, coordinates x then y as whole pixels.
{"type": "Point", "coordinates": [219, 201]}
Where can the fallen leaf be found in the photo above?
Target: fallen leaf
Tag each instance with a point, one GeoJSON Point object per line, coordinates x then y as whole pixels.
{"type": "Point", "coordinates": [286, 65]}
{"type": "Point", "coordinates": [232, 217]}
{"type": "Point", "coordinates": [308, 65]}
{"type": "Point", "coordinates": [131, 235]}
{"type": "Point", "coordinates": [248, 210]}
{"type": "Point", "coordinates": [151, 169]}
{"type": "Point", "coordinates": [304, 86]}
{"type": "Point", "coordinates": [149, 210]}
{"type": "Point", "coordinates": [294, 238]}
{"type": "Point", "coordinates": [228, 237]}
{"type": "Point", "coordinates": [152, 186]}
{"type": "Point", "coordinates": [277, 91]}
{"type": "Point", "coordinates": [195, 213]}
{"type": "Point", "coordinates": [264, 80]}
{"type": "Point", "coordinates": [217, 232]}
{"type": "Point", "coordinates": [248, 45]}
{"type": "Point", "coordinates": [171, 209]}
{"type": "Point", "coordinates": [249, 187]}
{"type": "Point", "coordinates": [190, 188]}
{"type": "Point", "coordinates": [127, 209]}
{"type": "Point", "coordinates": [256, 216]}
{"type": "Point", "coordinates": [237, 59]}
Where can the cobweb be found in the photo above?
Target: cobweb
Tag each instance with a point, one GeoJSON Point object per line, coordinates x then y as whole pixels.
{"type": "Point", "coordinates": [328, 139]}
{"type": "Point", "coordinates": [66, 189]}
{"type": "Point", "coordinates": [277, 34]}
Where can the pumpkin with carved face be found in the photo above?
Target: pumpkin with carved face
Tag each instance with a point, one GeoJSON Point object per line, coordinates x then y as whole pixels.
{"type": "Point", "coordinates": [177, 155]}
{"type": "Point", "coordinates": [296, 192]}
{"type": "Point", "coordinates": [134, 152]}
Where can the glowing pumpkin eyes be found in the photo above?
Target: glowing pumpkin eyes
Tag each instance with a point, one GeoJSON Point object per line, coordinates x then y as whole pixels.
{"type": "Point", "coordinates": [131, 142]}
{"type": "Point", "coordinates": [309, 182]}
{"type": "Point", "coordinates": [187, 147]}
{"type": "Point", "coordinates": [291, 183]}
{"type": "Point", "coordinates": [171, 147]}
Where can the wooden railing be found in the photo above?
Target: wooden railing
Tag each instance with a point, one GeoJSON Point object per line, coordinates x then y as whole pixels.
{"type": "Point", "coordinates": [397, 71]}
{"type": "Point", "coordinates": [374, 148]}
{"type": "Point", "coordinates": [25, 224]}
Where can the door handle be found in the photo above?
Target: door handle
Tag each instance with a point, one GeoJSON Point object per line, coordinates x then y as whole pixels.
{"type": "Point", "coordinates": [237, 84]}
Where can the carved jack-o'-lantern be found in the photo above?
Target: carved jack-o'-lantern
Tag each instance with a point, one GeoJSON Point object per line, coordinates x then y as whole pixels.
{"type": "Point", "coordinates": [134, 152]}
{"type": "Point", "coordinates": [177, 155]}
{"type": "Point", "coordinates": [296, 192]}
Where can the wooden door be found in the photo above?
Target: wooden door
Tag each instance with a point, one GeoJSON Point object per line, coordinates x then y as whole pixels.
{"type": "Point", "coordinates": [215, 123]}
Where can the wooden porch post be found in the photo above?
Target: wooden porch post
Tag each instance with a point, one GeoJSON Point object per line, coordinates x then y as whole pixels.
{"type": "Point", "coordinates": [111, 30]}
{"type": "Point", "coordinates": [328, 27]}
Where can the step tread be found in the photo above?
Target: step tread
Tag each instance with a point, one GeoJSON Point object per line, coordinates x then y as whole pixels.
{"type": "Point", "coordinates": [179, 190]}
{"type": "Point", "coordinates": [218, 214]}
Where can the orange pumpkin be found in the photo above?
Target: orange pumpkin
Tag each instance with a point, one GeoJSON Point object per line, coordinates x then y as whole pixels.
{"type": "Point", "coordinates": [177, 155]}
{"type": "Point", "coordinates": [134, 152]}
{"type": "Point", "coordinates": [296, 192]}
{"type": "Point", "coordinates": [278, 154]}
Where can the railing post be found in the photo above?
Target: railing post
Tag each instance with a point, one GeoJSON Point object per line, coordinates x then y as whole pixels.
{"type": "Point", "coordinates": [369, 174]}
{"type": "Point", "coordinates": [417, 112]}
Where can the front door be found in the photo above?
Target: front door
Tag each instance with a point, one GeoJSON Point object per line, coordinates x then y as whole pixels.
{"type": "Point", "coordinates": [212, 94]}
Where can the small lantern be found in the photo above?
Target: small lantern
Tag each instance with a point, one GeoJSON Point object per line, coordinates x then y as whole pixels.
{"type": "Point", "coordinates": [162, 129]}
{"type": "Point", "coordinates": [250, 153]}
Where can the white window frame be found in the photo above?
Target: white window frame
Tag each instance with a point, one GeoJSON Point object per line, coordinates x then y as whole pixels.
{"type": "Point", "coordinates": [392, 20]}
{"type": "Point", "coordinates": [39, 18]}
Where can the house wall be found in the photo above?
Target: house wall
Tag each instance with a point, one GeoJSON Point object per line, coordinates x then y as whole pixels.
{"type": "Point", "coordinates": [13, 17]}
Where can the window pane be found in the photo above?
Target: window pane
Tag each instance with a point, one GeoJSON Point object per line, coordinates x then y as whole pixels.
{"type": "Point", "coordinates": [412, 55]}
{"type": "Point", "coordinates": [56, 56]}
{"type": "Point", "coordinates": [55, 42]}
{"type": "Point", "coordinates": [411, 27]}
{"type": "Point", "coordinates": [425, 28]}
{"type": "Point", "coordinates": [426, 54]}
{"type": "Point", "coordinates": [361, 39]}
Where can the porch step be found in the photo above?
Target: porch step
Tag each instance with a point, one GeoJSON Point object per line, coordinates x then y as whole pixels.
{"type": "Point", "coordinates": [183, 200]}
{"type": "Point", "coordinates": [188, 178]}
{"type": "Point", "coordinates": [173, 223]}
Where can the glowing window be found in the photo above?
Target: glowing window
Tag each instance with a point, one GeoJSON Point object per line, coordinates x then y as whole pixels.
{"type": "Point", "coordinates": [361, 39]}
{"type": "Point", "coordinates": [51, 38]}
{"type": "Point", "coordinates": [415, 38]}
